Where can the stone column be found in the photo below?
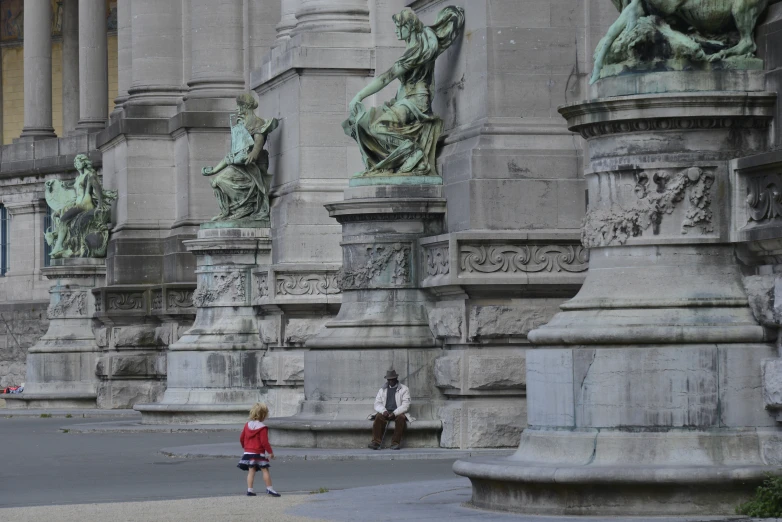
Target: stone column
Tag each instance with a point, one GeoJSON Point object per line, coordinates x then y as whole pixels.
{"type": "Point", "coordinates": [70, 66]}
{"type": "Point", "coordinates": [644, 393]}
{"type": "Point", "coordinates": [288, 20]}
{"type": "Point", "coordinates": [157, 59]}
{"type": "Point", "coordinates": [37, 70]}
{"type": "Point", "coordinates": [61, 365]}
{"type": "Point", "coordinates": [93, 66]}
{"type": "Point", "coordinates": [217, 54]}
{"type": "Point", "coordinates": [124, 53]}
{"type": "Point", "coordinates": [332, 16]}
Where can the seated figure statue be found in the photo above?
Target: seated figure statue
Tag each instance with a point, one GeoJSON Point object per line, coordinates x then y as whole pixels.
{"type": "Point", "coordinates": [81, 211]}
{"type": "Point", "coordinates": [242, 180]}
{"type": "Point", "coordinates": [399, 138]}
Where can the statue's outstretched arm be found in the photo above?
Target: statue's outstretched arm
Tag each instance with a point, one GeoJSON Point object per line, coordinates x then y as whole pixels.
{"type": "Point", "coordinates": [377, 85]}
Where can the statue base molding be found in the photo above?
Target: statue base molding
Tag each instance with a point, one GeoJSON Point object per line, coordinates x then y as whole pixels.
{"type": "Point", "coordinates": [382, 323]}
{"type": "Point", "coordinates": [61, 365]}
{"type": "Point", "coordinates": [645, 393]}
{"type": "Point", "coordinates": [214, 369]}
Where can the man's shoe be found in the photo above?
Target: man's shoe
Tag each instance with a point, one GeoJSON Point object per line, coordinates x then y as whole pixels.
{"type": "Point", "coordinates": [374, 446]}
{"type": "Point", "coordinates": [395, 446]}
{"type": "Point", "coordinates": [273, 493]}
{"type": "Point", "coordinates": [251, 494]}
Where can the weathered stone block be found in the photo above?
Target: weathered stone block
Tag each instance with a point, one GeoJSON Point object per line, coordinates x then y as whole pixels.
{"type": "Point", "coordinates": [446, 322]}
{"type": "Point", "coordinates": [448, 371]}
{"type": "Point", "coordinates": [121, 394]}
{"type": "Point", "coordinates": [134, 336]}
{"type": "Point", "coordinates": [550, 381]}
{"type": "Point", "coordinates": [761, 297]}
{"type": "Point", "coordinates": [451, 417]}
{"type": "Point", "coordinates": [268, 330]}
{"type": "Point", "coordinates": [130, 366]}
{"type": "Point", "coordinates": [496, 372]}
{"type": "Point", "coordinates": [772, 383]}
{"type": "Point", "coordinates": [495, 426]}
{"type": "Point", "coordinates": [299, 331]}
{"type": "Point", "coordinates": [282, 367]}
{"type": "Point", "coordinates": [507, 321]}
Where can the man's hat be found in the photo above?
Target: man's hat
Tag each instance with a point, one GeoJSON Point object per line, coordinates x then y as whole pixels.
{"type": "Point", "coordinates": [391, 374]}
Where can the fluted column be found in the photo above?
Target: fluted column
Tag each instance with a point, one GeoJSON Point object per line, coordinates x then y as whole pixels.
{"type": "Point", "coordinates": [288, 20]}
{"type": "Point", "coordinates": [93, 65]}
{"type": "Point", "coordinates": [70, 66]}
{"type": "Point", "coordinates": [332, 16]}
{"type": "Point", "coordinates": [157, 59]}
{"type": "Point", "coordinates": [124, 53]}
{"type": "Point", "coordinates": [37, 69]}
{"type": "Point", "coordinates": [217, 53]}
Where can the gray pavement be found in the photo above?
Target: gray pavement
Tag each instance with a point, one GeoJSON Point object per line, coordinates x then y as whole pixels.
{"type": "Point", "coordinates": [439, 500]}
{"type": "Point", "coordinates": [49, 474]}
{"type": "Point", "coordinates": [232, 449]}
{"type": "Point", "coordinates": [67, 414]}
{"type": "Point", "coordinates": [42, 465]}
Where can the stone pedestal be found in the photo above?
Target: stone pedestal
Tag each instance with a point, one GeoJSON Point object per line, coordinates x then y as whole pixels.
{"type": "Point", "coordinates": [382, 324]}
{"type": "Point", "coordinates": [214, 369]}
{"type": "Point", "coordinates": [61, 365]}
{"type": "Point", "coordinates": [644, 392]}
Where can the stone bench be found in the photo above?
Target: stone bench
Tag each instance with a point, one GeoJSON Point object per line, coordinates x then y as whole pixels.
{"type": "Point", "coordinates": [347, 433]}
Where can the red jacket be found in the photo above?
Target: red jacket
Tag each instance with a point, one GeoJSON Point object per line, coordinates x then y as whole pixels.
{"type": "Point", "coordinates": [255, 438]}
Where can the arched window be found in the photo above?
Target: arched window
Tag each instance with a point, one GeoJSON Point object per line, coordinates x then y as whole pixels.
{"type": "Point", "coordinates": [5, 241]}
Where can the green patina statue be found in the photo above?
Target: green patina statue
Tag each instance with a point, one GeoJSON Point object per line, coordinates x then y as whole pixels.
{"type": "Point", "coordinates": [399, 138]}
{"type": "Point", "coordinates": [242, 180]}
{"type": "Point", "coordinates": [81, 210]}
{"type": "Point", "coordinates": [654, 35]}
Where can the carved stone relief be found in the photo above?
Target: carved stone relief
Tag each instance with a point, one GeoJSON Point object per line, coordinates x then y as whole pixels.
{"type": "Point", "coordinates": [658, 193]}
{"type": "Point", "coordinates": [179, 299]}
{"type": "Point", "coordinates": [157, 299]}
{"type": "Point", "coordinates": [73, 302]}
{"type": "Point", "coordinates": [263, 285]}
{"type": "Point", "coordinates": [306, 284]}
{"type": "Point", "coordinates": [437, 261]}
{"type": "Point", "coordinates": [231, 285]}
{"type": "Point", "coordinates": [379, 258]}
{"type": "Point", "coordinates": [125, 301]}
{"type": "Point", "coordinates": [764, 197]}
{"type": "Point", "coordinates": [523, 258]}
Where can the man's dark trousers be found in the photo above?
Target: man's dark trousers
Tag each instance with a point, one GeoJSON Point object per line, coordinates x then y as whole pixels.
{"type": "Point", "coordinates": [380, 425]}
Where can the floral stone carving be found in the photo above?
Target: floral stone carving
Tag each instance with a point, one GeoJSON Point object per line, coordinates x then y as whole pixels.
{"type": "Point", "coordinates": [399, 138]}
{"type": "Point", "coordinates": [653, 35]}
{"type": "Point", "coordinates": [81, 210]}
{"type": "Point", "coordinates": [615, 225]}
{"type": "Point", "coordinates": [67, 302]}
{"type": "Point", "coordinates": [524, 258]}
{"type": "Point", "coordinates": [307, 284]}
{"type": "Point", "coordinates": [231, 284]}
{"type": "Point", "coordinates": [379, 257]}
{"type": "Point", "coordinates": [242, 179]}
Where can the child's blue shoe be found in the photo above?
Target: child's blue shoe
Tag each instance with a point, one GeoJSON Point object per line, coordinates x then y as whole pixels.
{"type": "Point", "coordinates": [273, 493]}
{"type": "Point", "coordinates": [251, 494]}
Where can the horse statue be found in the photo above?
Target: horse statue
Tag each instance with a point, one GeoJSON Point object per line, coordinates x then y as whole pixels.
{"type": "Point", "coordinates": [697, 30]}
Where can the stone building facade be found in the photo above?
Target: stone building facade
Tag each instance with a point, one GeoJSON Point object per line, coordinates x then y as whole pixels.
{"type": "Point", "coordinates": [505, 254]}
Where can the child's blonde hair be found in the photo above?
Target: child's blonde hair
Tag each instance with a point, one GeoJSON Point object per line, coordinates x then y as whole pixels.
{"type": "Point", "coordinates": [259, 412]}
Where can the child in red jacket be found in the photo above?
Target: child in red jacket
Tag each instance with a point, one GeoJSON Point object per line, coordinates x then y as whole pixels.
{"type": "Point", "coordinates": [255, 443]}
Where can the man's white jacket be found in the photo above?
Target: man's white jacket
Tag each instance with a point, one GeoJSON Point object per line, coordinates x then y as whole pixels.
{"type": "Point", "coordinates": [402, 397]}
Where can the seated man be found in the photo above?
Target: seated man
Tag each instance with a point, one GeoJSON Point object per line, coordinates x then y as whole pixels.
{"type": "Point", "coordinates": [390, 407]}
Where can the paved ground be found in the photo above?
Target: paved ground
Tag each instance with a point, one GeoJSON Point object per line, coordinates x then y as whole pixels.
{"type": "Point", "coordinates": [232, 449]}
{"type": "Point", "coordinates": [46, 474]}
{"type": "Point", "coordinates": [40, 465]}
